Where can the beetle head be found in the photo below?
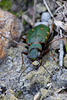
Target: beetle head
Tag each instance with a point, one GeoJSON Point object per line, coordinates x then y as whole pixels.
{"type": "Point", "coordinates": [34, 54]}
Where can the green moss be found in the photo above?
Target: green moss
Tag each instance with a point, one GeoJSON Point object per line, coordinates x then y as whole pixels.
{"type": "Point", "coordinates": [66, 44]}
{"type": "Point", "coordinates": [24, 22]}
{"type": "Point", "coordinates": [5, 4]}
{"type": "Point", "coordinates": [14, 14]}
{"type": "Point", "coordinates": [20, 13]}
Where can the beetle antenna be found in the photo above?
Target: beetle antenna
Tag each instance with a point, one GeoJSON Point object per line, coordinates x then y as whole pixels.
{"type": "Point", "coordinates": [12, 40]}
{"type": "Point", "coordinates": [46, 70]}
{"type": "Point", "coordinates": [22, 73]}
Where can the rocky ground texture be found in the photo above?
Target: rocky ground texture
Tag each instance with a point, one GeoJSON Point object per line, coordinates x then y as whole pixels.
{"type": "Point", "coordinates": [33, 81]}
{"type": "Point", "coordinates": [48, 82]}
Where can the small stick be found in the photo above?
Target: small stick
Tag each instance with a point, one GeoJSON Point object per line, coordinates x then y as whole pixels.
{"type": "Point", "coordinates": [52, 55]}
{"type": "Point", "coordinates": [58, 91]}
{"type": "Point", "coordinates": [56, 40]}
{"type": "Point", "coordinates": [48, 9]}
{"type": "Point", "coordinates": [27, 19]}
{"type": "Point", "coordinates": [58, 9]}
{"type": "Point", "coordinates": [61, 51]}
{"type": "Point", "coordinates": [49, 13]}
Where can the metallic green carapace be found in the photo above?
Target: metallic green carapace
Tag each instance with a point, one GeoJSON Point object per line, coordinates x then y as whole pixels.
{"type": "Point", "coordinates": [36, 36]}
{"type": "Point", "coordinates": [39, 33]}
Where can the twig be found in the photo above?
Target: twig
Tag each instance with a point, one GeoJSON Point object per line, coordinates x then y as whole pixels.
{"type": "Point", "coordinates": [48, 9]}
{"type": "Point", "coordinates": [58, 91]}
{"type": "Point", "coordinates": [58, 9]}
{"type": "Point", "coordinates": [58, 3]}
{"type": "Point", "coordinates": [27, 19]}
{"type": "Point", "coordinates": [61, 51]}
{"type": "Point", "coordinates": [35, 1]}
{"type": "Point", "coordinates": [56, 40]}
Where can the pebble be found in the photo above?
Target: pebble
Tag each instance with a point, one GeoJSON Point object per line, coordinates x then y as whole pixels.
{"type": "Point", "coordinates": [65, 61]}
{"type": "Point", "coordinates": [11, 27]}
{"type": "Point", "coordinates": [35, 63]}
{"type": "Point", "coordinates": [40, 8]}
{"type": "Point", "coordinates": [45, 17]}
{"type": "Point", "coordinates": [45, 92]}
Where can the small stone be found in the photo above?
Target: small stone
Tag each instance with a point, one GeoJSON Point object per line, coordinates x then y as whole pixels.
{"type": "Point", "coordinates": [49, 85]}
{"type": "Point", "coordinates": [40, 8]}
{"type": "Point", "coordinates": [65, 27]}
{"type": "Point", "coordinates": [35, 63]}
{"type": "Point", "coordinates": [45, 17]}
{"type": "Point", "coordinates": [45, 92]}
{"type": "Point", "coordinates": [10, 27]}
{"type": "Point", "coordinates": [65, 61]}
{"type": "Point", "coordinates": [37, 96]}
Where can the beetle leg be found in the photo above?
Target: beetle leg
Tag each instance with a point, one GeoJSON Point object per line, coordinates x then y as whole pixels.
{"type": "Point", "coordinates": [23, 39]}
{"type": "Point", "coordinates": [25, 53]}
{"type": "Point", "coordinates": [45, 52]}
{"type": "Point", "coordinates": [52, 55]}
{"type": "Point", "coordinates": [46, 70]}
{"type": "Point", "coordinates": [21, 74]}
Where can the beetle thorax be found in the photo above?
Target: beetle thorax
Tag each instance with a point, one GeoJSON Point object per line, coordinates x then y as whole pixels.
{"type": "Point", "coordinates": [33, 54]}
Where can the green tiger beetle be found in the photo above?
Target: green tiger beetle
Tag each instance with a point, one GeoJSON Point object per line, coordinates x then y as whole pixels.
{"type": "Point", "coordinates": [36, 39]}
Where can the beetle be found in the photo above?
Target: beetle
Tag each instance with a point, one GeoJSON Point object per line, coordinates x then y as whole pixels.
{"type": "Point", "coordinates": [36, 40]}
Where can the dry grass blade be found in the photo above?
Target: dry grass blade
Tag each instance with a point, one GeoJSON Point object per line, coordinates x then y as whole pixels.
{"type": "Point", "coordinates": [65, 44]}
{"type": "Point", "coordinates": [61, 51]}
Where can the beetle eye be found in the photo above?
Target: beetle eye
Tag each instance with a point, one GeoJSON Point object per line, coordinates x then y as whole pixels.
{"type": "Point", "coordinates": [38, 53]}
